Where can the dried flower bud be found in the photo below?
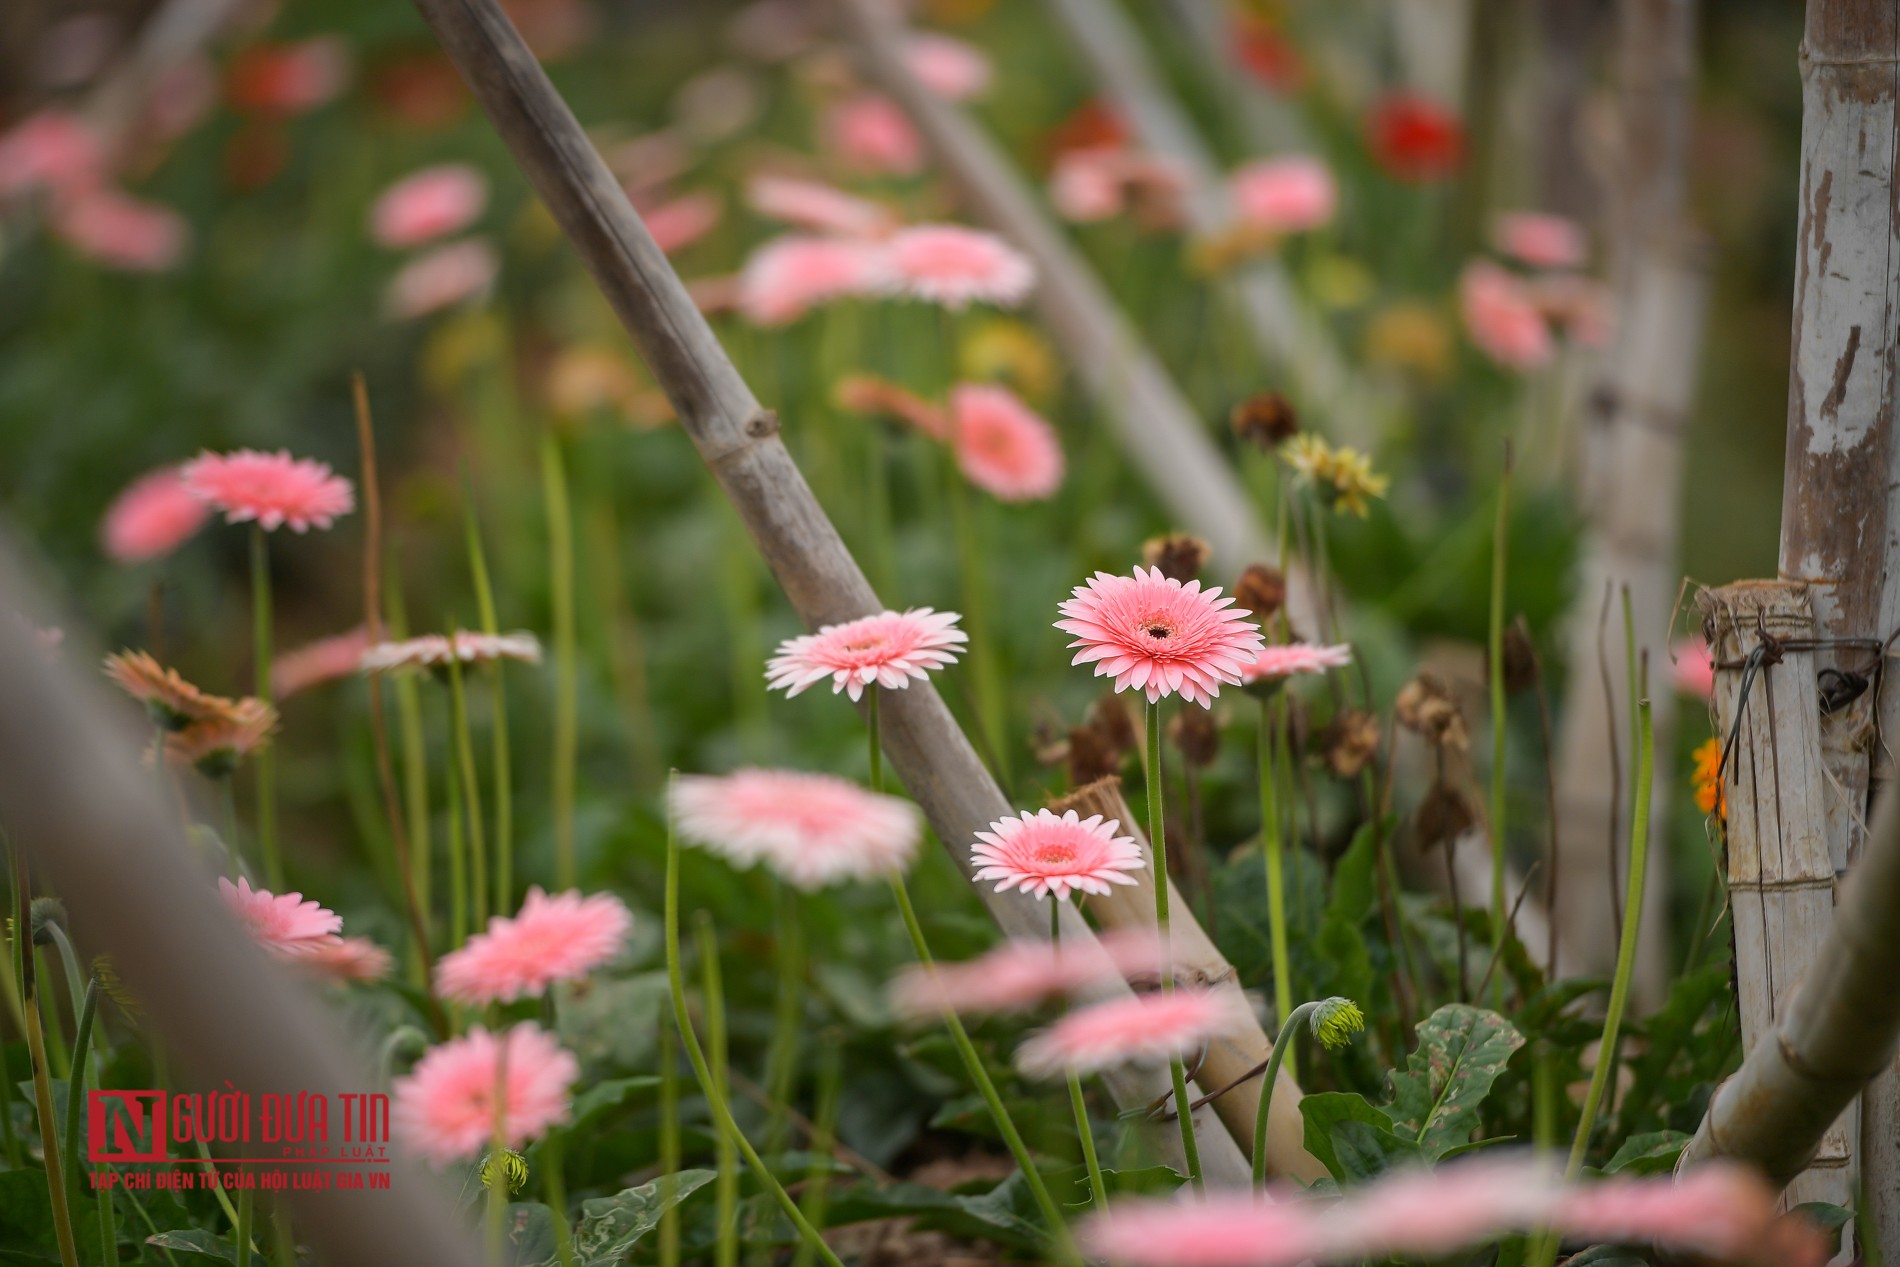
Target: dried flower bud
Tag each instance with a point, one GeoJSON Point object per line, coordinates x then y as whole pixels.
{"type": "Point", "coordinates": [1425, 705]}
{"type": "Point", "coordinates": [1179, 556]}
{"type": "Point", "coordinates": [1261, 590]}
{"type": "Point", "coordinates": [1351, 741]}
{"type": "Point", "coordinates": [1442, 817]}
{"type": "Point", "coordinates": [1195, 734]}
{"type": "Point", "coordinates": [1266, 419]}
{"type": "Point", "coordinates": [1090, 756]}
{"type": "Point", "coordinates": [1520, 658]}
{"type": "Point", "coordinates": [1111, 722]}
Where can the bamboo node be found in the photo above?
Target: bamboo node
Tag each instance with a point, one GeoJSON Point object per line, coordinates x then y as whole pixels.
{"type": "Point", "coordinates": [762, 424]}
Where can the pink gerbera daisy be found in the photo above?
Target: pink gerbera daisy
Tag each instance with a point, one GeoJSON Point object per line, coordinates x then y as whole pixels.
{"type": "Point", "coordinates": [810, 829]}
{"type": "Point", "coordinates": [1042, 853]}
{"type": "Point", "coordinates": [442, 278]}
{"type": "Point", "coordinates": [948, 67]}
{"type": "Point", "coordinates": [428, 204]}
{"type": "Point", "coordinates": [1218, 1230]}
{"type": "Point", "coordinates": [1002, 446]}
{"type": "Point", "coordinates": [677, 223]}
{"type": "Point", "coordinates": [818, 207]}
{"type": "Point", "coordinates": [1285, 195]}
{"type": "Point", "coordinates": [432, 651]}
{"type": "Point", "coordinates": [788, 276]}
{"type": "Point", "coordinates": [120, 231]}
{"type": "Point", "coordinates": [955, 266]}
{"type": "Point", "coordinates": [155, 515]}
{"type": "Point", "coordinates": [1502, 317]}
{"type": "Point", "coordinates": [285, 924]}
{"type": "Point", "coordinates": [1693, 668]}
{"type": "Point", "coordinates": [559, 938]}
{"type": "Point", "coordinates": [272, 489]}
{"type": "Point", "coordinates": [447, 1108]}
{"type": "Point", "coordinates": [1141, 1029]}
{"type": "Point", "coordinates": [1153, 633]}
{"type": "Point", "coordinates": [1284, 660]}
{"type": "Point", "coordinates": [1541, 240]}
{"type": "Point", "coordinates": [1021, 974]}
{"type": "Point", "coordinates": [888, 649]}
{"type": "Point", "coordinates": [343, 959]}
{"type": "Point", "coordinates": [51, 150]}
{"type": "Point", "coordinates": [315, 663]}
{"type": "Point", "coordinates": [869, 133]}
{"type": "Point", "coordinates": [1430, 1214]}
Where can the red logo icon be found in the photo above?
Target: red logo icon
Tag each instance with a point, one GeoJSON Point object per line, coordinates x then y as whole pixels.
{"type": "Point", "coordinates": [125, 1126]}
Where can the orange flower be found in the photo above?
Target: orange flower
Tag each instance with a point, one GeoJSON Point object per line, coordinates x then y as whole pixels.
{"type": "Point", "coordinates": [1710, 796]}
{"type": "Point", "coordinates": [216, 745]}
{"type": "Point", "coordinates": [173, 702]}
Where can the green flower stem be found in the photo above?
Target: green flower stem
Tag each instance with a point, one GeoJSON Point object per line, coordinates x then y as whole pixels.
{"type": "Point", "coordinates": [1273, 850]}
{"type": "Point", "coordinates": [871, 730]}
{"type": "Point", "coordinates": [76, 1086]}
{"type": "Point", "coordinates": [1084, 1132]}
{"type": "Point", "coordinates": [993, 706]}
{"type": "Point", "coordinates": [1289, 1031]}
{"type": "Point", "coordinates": [42, 1076]}
{"type": "Point", "coordinates": [670, 1143]}
{"type": "Point", "coordinates": [494, 1171]}
{"type": "Point", "coordinates": [499, 755]}
{"type": "Point", "coordinates": [245, 1218]}
{"type": "Point", "coordinates": [264, 760]}
{"type": "Point", "coordinates": [726, 1185]}
{"type": "Point", "coordinates": [722, 1115]}
{"type": "Point", "coordinates": [415, 768]}
{"type": "Point", "coordinates": [232, 854]}
{"type": "Point", "coordinates": [566, 746]}
{"type": "Point", "coordinates": [283, 1240]}
{"type": "Point", "coordinates": [554, 1184]}
{"type": "Point", "coordinates": [817, 1192]}
{"type": "Point", "coordinates": [973, 1063]}
{"type": "Point", "coordinates": [1500, 543]}
{"type": "Point", "coordinates": [471, 793]}
{"type": "Point", "coordinates": [1158, 841]}
{"type": "Point", "coordinates": [788, 1019]}
{"type": "Point", "coordinates": [458, 861]}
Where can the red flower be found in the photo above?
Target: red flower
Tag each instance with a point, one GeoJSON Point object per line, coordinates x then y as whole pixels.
{"type": "Point", "coordinates": [1414, 138]}
{"type": "Point", "coordinates": [1267, 55]}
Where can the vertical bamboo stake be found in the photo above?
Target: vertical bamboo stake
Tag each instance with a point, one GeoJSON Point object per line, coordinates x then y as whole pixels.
{"type": "Point", "coordinates": [1780, 872]}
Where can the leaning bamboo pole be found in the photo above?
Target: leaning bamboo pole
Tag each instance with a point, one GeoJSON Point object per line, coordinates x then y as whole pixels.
{"type": "Point", "coordinates": [1287, 332]}
{"type": "Point", "coordinates": [1629, 478]}
{"type": "Point", "coordinates": [739, 441]}
{"type": "Point", "coordinates": [81, 809]}
{"type": "Point", "coordinates": [1780, 871]}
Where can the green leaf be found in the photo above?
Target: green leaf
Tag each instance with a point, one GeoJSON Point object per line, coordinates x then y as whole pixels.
{"type": "Point", "coordinates": [1606, 1256]}
{"type": "Point", "coordinates": [1651, 1153]}
{"type": "Point", "coordinates": [1829, 1218]}
{"type": "Point", "coordinates": [26, 1220]}
{"type": "Point", "coordinates": [1355, 881]}
{"type": "Point", "coordinates": [611, 1226]}
{"type": "Point", "coordinates": [1326, 1112]}
{"type": "Point", "coordinates": [1461, 1051]}
{"type": "Point", "coordinates": [603, 1097]}
{"type": "Point", "coordinates": [192, 1240]}
{"type": "Point", "coordinates": [1363, 1151]}
{"type": "Point", "coordinates": [529, 1228]}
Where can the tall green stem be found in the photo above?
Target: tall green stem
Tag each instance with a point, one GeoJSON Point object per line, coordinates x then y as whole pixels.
{"type": "Point", "coordinates": [76, 1086]}
{"type": "Point", "coordinates": [498, 739]}
{"type": "Point", "coordinates": [471, 795]}
{"type": "Point", "coordinates": [726, 1185]}
{"type": "Point", "coordinates": [264, 761]}
{"type": "Point", "coordinates": [992, 701]}
{"type": "Point", "coordinates": [458, 862]}
{"type": "Point", "coordinates": [1273, 849]}
{"type": "Point", "coordinates": [554, 1180]}
{"type": "Point", "coordinates": [722, 1115]}
{"type": "Point", "coordinates": [1289, 1030]}
{"type": "Point", "coordinates": [818, 1174]}
{"type": "Point", "coordinates": [1499, 545]}
{"type": "Point", "coordinates": [670, 1142]}
{"type": "Point", "coordinates": [1158, 841]}
{"type": "Point", "coordinates": [566, 668]}
{"type": "Point", "coordinates": [788, 1019]}
{"type": "Point", "coordinates": [42, 1075]}
{"type": "Point", "coordinates": [1084, 1132]}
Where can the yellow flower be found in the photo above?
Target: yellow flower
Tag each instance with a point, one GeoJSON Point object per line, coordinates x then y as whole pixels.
{"type": "Point", "coordinates": [1011, 352]}
{"type": "Point", "coordinates": [1310, 458]}
{"type": "Point", "coordinates": [1354, 482]}
{"type": "Point", "coordinates": [1412, 337]}
{"type": "Point", "coordinates": [1710, 796]}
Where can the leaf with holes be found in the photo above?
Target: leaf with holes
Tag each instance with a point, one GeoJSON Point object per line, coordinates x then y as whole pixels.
{"type": "Point", "coordinates": [1461, 1051]}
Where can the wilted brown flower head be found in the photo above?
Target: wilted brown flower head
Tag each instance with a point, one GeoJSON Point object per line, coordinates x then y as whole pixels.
{"type": "Point", "coordinates": [1265, 419]}
{"type": "Point", "coordinates": [1110, 719]}
{"type": "Point", "coordinates": [1179, 556]}
{"type": "Point", "coordinates": [1261, 590]}
{"type": "Point", "coordinates": [1425, 705]}
{"type": "Point", "coordinates": [1090, 757]}
{"type": "Point", "coordinates": [1195, 734]}
{"type": "Point", "coordinates": [216, 745]}
{"type": "Point", "coordinates": [173, 702]}
{"type": "Point", "coordinates": [1351, 741]}
{"type": "Point", "coordinates": [1442, 817]}
{"type": "Point", "coordinates": [1520, 658]}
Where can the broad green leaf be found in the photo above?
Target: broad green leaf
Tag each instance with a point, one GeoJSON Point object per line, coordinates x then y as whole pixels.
{"type": "Point", "coordinates": [1651, 1153]}
{"type": "Point", "coordinates": [26, 1219]}
{"type": "Point", "coordinates": [603, 1097]}
{"type": "Point", "coordinates": [611, 1226]}
{"type": "Point", "coordinates": [1355, 882]}
{"type": "Point", "coordinates": [1606, 1256]}
{"type": "Point", "coordinates": [529, 1228]}
{"type": "Point", "coordinates": [1326, 1112]}
{"type": "Point", "coordinates": [1829, 1218]}
{"type": "Point", "coordinates": [1461, 1051]}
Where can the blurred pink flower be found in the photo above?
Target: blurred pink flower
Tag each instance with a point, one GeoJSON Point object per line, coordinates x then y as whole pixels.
{"type": "Point", "coordinates": [1219, 1230]}
{"type": "Point", "coordinates": [812, 830]}
{"type": "Point", "coordinates": [447, 1108]}
{"type": "Point", "coordinates": [1099, 182]}
{"type": "Point", "coordinates": [51, 150]}
{"type": "Point", "coordinates": [215, 745]}
{"type": "Point", "coordinates": [810, 204]}
{"type": "Point", "coordinates": [284, 924]}
{"type": "Point", "coordinates": [1044, 853]}
{"type": "Point", "coordinates": [558, 938]}
{"type": "Point", "coordinates": [1429, 1214]}
{"type": "Point", "coordinates": [1142, 1029]}
{"type": "Point", "coordinates": [442, 277]}
{"type": "Point", "coordinates": [1502, 319]}
{"type": "Point", "coordinates": [954, 266]}
{"type": "Point", "coordinates": [1285, 195]}
{"type": "Point", "coordinates": [1579, 304]}
{"type": "Point", "coordinates": [1281, 660]}
{"type": "Point", "coordinates": [1541, 240]}
{"type": "Point", "coordinates": [428, 204]}
{"type": "Point", "coordinates": [434, 650]}
{"type": "Point", "coordinates": [120, 231]}
{"type": "Point", "coordinates": [343, 959]}
{"type": "Point", "coordinates": [1693, 667]}
{"type": "Point", "coordinates": [314, 663]}
{"type": "Point", "coordinates": [869, 133]}
{"type": "Point", "coordinates": [788, 276]}
{"type": "Point", "coordinates": [270, 489]}
{"type": "Point", "coordinates": [952, 69]}
{"type": "Point", "coordinates": [1151, 632]}
{"type": "Point", "coordinates": [1021, 974]}
{"type": "Point", "coordinates": [181, 97]}
{"type": "Point", "coordinates": [155, 515]}
{"type": "Point", "coordinates": [288, 79]}
{"type": "Point", "coordinates": [1002, 446]}
{"type": "Point", "coordinates": [679, 222]}
{"type": "Point", "coordinates": [869, 394]}
{"type": "Point", "coordinates": [888, 650]}
{"type": "Point", "coordinates": [1720, 1210]}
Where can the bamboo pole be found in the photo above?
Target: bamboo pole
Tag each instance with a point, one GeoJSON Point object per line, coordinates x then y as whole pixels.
{"type": "Point", "coordinates": [739, 441]}
{"type": "Point", "coordinates": [1290, 335]}
{"type": "Point", "coordinates": [1780, 871]}
{"type": "Point", "coordinates": [1199, 962]}
{"type": "Point", "coordinates": [1836, 1032]}
{"type": "Point", "coordinates": [75, 799]}
{"type": "Point", "coordinates": [1629, 487]}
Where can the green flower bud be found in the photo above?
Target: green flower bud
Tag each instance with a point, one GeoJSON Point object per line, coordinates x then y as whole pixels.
{"type": "Point", "coordinates": [1335, 1021]}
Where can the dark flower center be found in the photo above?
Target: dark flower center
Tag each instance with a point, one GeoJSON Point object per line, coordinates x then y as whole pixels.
{"type": "Point", "coordinates": [1157, 630]}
